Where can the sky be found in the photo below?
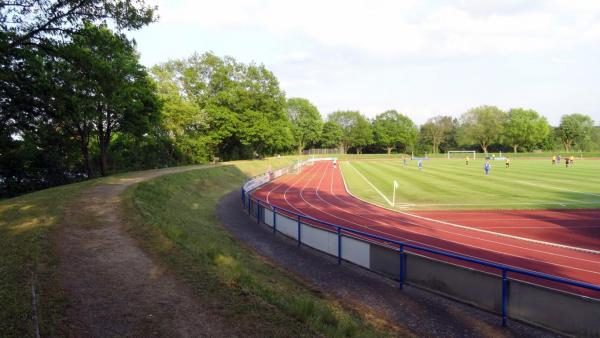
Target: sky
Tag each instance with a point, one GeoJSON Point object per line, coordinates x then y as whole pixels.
{"type": "Point", "coordinates": [422, 58]}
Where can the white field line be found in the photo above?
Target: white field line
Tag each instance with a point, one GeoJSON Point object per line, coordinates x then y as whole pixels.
{"type": "Point", "coordinates": [462, 235]}
{"type": "Point", "coordinates": [558, 245]}
{"type": "Point", "coordinates": [371, 184]}
{"type": "Point", "coordinates": [557, 188]}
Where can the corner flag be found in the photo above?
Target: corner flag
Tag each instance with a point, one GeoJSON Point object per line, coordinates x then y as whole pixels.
{"type": "Point", "coordinates": [395, 184]}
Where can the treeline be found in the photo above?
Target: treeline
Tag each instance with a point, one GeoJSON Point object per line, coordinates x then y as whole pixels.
{"type": "Point", "coordinates": [484, 128]}
{"type": "Point", "coordinates": [76, 103]}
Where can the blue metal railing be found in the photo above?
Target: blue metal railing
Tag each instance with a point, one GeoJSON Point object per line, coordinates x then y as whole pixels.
{"type": "Point", "coordinates": [401, 246]}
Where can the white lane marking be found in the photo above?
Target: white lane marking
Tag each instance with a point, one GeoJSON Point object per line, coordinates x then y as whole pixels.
{"type": "Point", "coordinates": [426, 245]}
{"type": "Point", "coordinates": [371, 184]}
{"type": "Point", "coordinates": [477, 229]}
{"type": "Point", "coordinates": [463, 235]}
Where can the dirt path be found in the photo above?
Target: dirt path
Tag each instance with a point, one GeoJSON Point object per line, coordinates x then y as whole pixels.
{"type": "Point", "coordinates": [113, 287]}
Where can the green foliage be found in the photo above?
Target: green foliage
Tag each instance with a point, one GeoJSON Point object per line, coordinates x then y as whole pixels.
{"type": "Point", "coordinates": [483, 125]}
{"type": "Point", "coordinates": [331, 136]}
{"type": "Point", "coordinates": [525, 127]}
{"type": "Point", "coordinates": [356, 129]}
{"type": "Point", "coordinates": [437, 130]}
{"type": "Point", "coordinates": [44, 83]}
{"type": "Point", "coordinates": [575, 130]}
{"type": "Point", "coordinates": [392, 129]}
{"type": "Point", "coordinates": [241, 106]}
{"type": "Point", "coordinates": [306, 122]}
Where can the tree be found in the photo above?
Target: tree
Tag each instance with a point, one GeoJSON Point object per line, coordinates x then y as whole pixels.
{"type": "Point", "coordinates": [332, 134]}
{"type": "Point", "coordinates": [392, 129]}
{"type": "Point", "coordinates": [306, 122]}
{"type": "Point", "coordinates": [355, 129]}
{"type": "Point", "coordinates": [361, 134]}
{"type": "Point", "coordinates": [110, 91]}
{"type": "Point", "coordinates": [482, 125]}
{"type": "Point", "coordinates": [575, 129]}
{"type": "Point", "coordinates": [525, 127]}
{"type": "Point", "coordinates": [436, 130]}
{"type": "Point", "coordinates": [44, 23]}
{"type": "Point", "coordinates": [243, 106]}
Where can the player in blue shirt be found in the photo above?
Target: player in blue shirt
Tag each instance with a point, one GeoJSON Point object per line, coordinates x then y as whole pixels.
{"type": "Point", "coordinates": [486, 167]}
{"type": "Point", "coordinates": [420, 164]}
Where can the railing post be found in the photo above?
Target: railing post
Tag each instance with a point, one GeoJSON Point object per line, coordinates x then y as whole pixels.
{"type": "Point", "coordinates": [299, 233]}
{"type": "Point", "coordinates": [339, 234]}
{"type": "Point", "coordinates": [274, 220]}
{"type": "Point", "coordinates": [244, 198]}
{"type": "Point", "coordinates": [504, 296]}
{"type": "Point", "coordinates": [249, 205]}
{"type": "Point", "coordinates": [402, 266]}
{"type": "Point", "coordinates": [257, 212]}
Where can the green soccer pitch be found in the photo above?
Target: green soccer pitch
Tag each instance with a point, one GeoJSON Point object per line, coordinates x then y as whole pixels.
{"type": "Point", "coordinates": [450, 184]}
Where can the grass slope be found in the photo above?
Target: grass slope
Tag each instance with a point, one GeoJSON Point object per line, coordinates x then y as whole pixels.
{"type": "Point", "coordinates": [177, 222]}
{"type": "Point", "coordinates": [450, 184]}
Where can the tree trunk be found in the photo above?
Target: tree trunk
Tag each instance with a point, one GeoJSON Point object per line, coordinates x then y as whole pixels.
{"type": "Point", "coordinates": [103, 159]}
{"type": "Point", "coordinates": [515, 146]}
{"type": "Point", "coordinates": [86, 159]}
{"type": "Point", "coordinates": [389, 150]}
{"type": "Point", "coordinates": [484, 148]}
{"type": "Point", "coordinates": [300, 148]}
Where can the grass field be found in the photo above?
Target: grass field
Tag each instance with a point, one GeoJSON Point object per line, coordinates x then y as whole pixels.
{"type": "Point", "coordinates": [450, 184]}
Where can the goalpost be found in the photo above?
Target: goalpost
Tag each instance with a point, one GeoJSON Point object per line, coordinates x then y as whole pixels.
{"type": "Point", "coordinates": [473, 152]}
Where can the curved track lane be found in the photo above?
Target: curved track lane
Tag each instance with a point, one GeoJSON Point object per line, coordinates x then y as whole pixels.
{"type": "Point", "coordinates": [319, 192]}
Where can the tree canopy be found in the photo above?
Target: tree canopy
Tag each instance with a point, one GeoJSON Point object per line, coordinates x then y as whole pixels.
{"type": "Point", "coordinates": [392, 129]}
{"type": "Point", "coordinates": [575, 129]}
{"type": "Point", "coordinates": [306, 122]}
{"type": "Point", "coordinates": [482, 125]}
{"type": "Point", "coordinates": [524, 127]}
{"type": "Point", "coordinates": [436, 130]}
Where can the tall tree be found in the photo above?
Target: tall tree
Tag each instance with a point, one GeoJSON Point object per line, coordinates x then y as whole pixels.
{"type": "Point", "coordinates": [482, 125]}
{"type": "Point", "coordinates": [355, 132]}
{"type": "Point", "coordinates": [306, 122]}
{"type": "Point", "coordinates": [244, 107]}
{"type": "Point", "coordinates": [361, 134]}
{"type": "Point", "coordinates": [113, 92]}
{"type": "Point", "coordinates": [436, 130]}
{"type": "Point", "coordinates": [524, 127]}
{"type": "Point", "coordinates": [332, 134]}
{"type": "Point", "coordinates": [575, 129]}
{"type": "Point", "coordinates": [392, 129]}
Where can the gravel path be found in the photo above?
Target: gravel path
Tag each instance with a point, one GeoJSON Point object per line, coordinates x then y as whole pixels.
{"type": "Point", "coordinates": [115, 289]}
{"type": "Point", "coordinates": [420, 312]}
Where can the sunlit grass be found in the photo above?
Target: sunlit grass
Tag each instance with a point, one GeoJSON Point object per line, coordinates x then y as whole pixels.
{"type": "Point", "coordinates": [450, 184]}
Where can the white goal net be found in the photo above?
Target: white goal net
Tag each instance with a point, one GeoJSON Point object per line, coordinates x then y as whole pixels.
{"type": "Point", "coordinates": [462, 153]}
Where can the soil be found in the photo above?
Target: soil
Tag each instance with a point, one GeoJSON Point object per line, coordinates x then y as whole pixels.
{"type": "Point", "coordinates": [112, 286]}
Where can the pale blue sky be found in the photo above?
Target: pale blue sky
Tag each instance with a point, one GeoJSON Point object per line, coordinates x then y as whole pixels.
{"type": "Point", "coordinates": [422, 58]}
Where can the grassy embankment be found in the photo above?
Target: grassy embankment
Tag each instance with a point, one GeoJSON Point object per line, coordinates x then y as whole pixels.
{"type": "Point", "coordinates": [450, 184]}
{"type": "Point", "coordinates": [177, 222]}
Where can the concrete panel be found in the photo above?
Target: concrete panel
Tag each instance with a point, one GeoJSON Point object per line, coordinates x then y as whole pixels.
{"type": "Point", "coordinates": [561, 311]}
{"type": "Point", "coordinates": [287, 226]}
{"type": "Point", "coordinates": [385, 261]}
{"type": "Point", "coordinates": [478, 288]}
{"type": "Point", "coordinates": [319, 239]}
{"type": "Point", "coordinates": [356, 251]}
{"type": "Point", "coordinates": [268, 217]}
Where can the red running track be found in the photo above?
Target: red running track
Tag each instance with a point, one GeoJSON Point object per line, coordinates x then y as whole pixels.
{"type": "Point", "coordinates": [319, 191]}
